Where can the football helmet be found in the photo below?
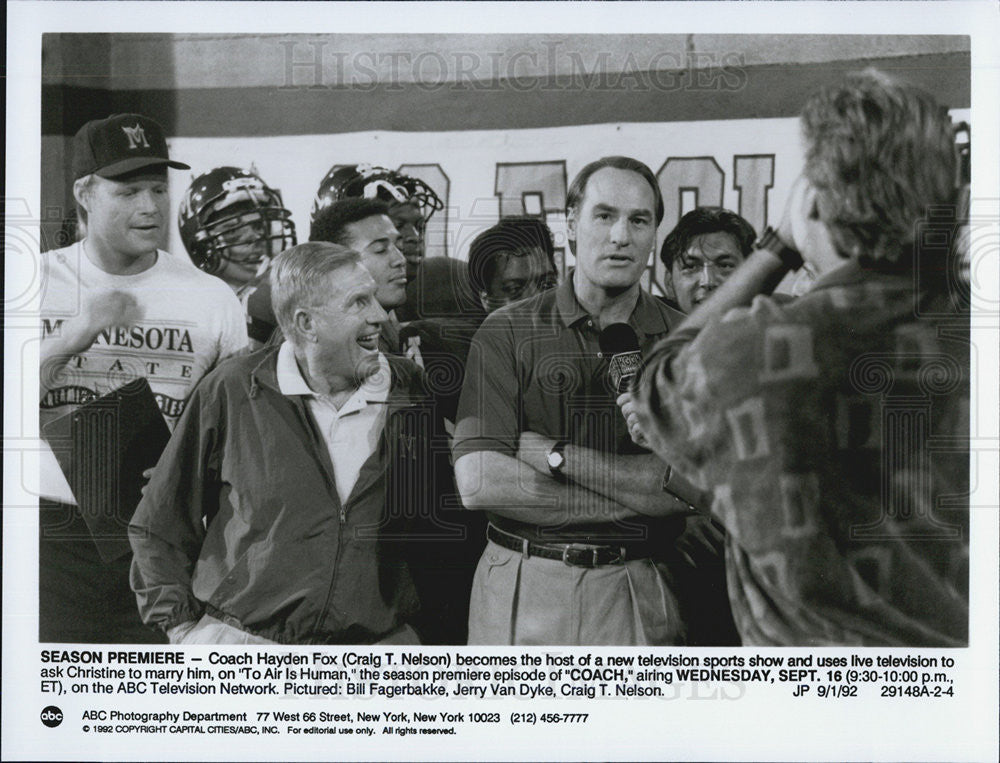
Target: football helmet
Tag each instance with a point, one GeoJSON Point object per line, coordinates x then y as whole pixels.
{"type": "Point", "coordinates": [371, 182]}
{"type": "Point", "coordinates": [230, 215]}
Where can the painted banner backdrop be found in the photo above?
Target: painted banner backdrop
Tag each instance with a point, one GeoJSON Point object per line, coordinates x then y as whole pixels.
{"type": "Point", "coordinates": [745, 165]}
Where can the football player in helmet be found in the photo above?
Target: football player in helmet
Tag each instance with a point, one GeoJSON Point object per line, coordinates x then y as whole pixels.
{"type": "Point", "coordinates": [411, 202]}
{"type": "Point", "coordinates": [232, 223]}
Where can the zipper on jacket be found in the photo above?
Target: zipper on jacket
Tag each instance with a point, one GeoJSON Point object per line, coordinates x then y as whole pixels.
{"type": "Point", "coordinates": [387, 458]}
{"type": "Point", "coordinates": [321, 620]}
{"type": "Point", "coordinates": [330, 479]}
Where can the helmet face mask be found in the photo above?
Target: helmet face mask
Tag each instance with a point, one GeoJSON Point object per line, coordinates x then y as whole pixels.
{"type": "Point", "coordinates": [249, 235]}
{"type": "Point", "coordinates": [421, 195]}
{"type": "Point", "coordinates": [411, 202]}
{"type": "Point", "coordinates": [369, 182]}
{"type": "Point", "coordinates": [231, 222]}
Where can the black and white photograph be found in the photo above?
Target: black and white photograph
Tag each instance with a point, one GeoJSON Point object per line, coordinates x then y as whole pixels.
{"type": "Point", "coordinates": [424, 372]}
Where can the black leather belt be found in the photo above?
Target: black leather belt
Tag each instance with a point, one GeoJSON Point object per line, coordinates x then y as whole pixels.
{"type": "Point", "coordinates": [573, 554]}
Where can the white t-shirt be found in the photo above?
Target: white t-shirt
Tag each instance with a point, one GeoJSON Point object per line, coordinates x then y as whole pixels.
{"type": "Point", "coordinates": [190, 321]}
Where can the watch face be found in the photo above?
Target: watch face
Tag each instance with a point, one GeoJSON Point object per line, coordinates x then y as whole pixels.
{"type": "Point", "coordinates": [555, 460]}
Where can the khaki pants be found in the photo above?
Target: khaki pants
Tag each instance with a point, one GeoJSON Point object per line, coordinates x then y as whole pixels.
{"type": "Point", "coordinates": [529, 600]}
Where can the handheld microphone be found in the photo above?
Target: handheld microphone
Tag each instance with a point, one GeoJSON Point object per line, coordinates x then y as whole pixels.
{"type": "Point", "coordinates": [620, 345]}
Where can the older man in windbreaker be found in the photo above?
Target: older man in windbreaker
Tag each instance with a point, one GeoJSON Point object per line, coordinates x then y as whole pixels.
{"type": "Point", "coordinates": [280, 510]}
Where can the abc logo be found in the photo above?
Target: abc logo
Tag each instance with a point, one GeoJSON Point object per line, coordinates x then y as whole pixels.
{"type": "Point", "coordinates": [52, 716]}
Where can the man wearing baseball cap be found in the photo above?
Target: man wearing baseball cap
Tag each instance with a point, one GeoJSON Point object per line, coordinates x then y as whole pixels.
{"type": "Point", "coordinates": [115, 307]}
{"type": "Point", "coordinates": [119, 145]}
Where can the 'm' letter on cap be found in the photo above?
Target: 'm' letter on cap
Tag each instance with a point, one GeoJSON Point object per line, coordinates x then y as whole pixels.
{"type": "Point", "coordinates": [120, 144]}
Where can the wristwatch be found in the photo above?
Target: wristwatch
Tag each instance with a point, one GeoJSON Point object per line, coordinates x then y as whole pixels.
{"type": "Point", "coordinates": [770, 240]}
{"type": "Point", "coordinates": [556, 460]}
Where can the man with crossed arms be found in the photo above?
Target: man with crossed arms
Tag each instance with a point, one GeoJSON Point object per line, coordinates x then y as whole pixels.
{"type": "Point", "coordinates": [578, 517]}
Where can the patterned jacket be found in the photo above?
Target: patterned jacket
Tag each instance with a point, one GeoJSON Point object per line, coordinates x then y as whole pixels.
{"type": "Point", "coordinates": [833, 433]}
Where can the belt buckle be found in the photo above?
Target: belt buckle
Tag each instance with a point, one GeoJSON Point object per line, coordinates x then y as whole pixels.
{"type": "Point", "coordinates": [594, 550]}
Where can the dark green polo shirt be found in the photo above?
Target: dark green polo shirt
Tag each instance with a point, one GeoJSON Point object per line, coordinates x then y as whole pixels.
{"type": "Point", "coordinates": [537, 365]}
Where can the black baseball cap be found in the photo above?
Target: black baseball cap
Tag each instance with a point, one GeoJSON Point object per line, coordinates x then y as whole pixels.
{"type": "Point", "coordinates": [120, 144]}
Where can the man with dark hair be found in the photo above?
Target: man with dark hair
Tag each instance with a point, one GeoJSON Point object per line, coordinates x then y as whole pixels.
{"type": "Point", "coordinates": [702, 251]}
{"type": "Point", "coordinates": [576, 190]}
{"type": "Point", "coordinates": [511, 260]}
{"type": "Point", "coordinates": [576, 511]}
{"type": "Point", "coordinates": [514, 259]}
{"type": "Point", "coordinates": [279, 511]}
{"type": "Point", "coordinates": [833, 429]}
{"type": "Point", "coordinates": [364, 226]}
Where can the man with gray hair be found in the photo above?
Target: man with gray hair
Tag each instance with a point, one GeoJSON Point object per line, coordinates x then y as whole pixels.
{"type": "Point", "coordinates": [277, 509]}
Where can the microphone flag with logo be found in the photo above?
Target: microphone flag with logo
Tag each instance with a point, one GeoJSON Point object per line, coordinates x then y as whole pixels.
{"type": "Point", "coordinates": [620, 345]}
